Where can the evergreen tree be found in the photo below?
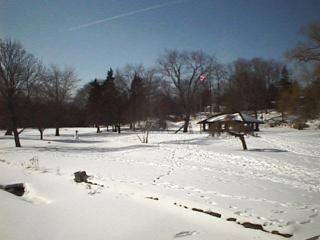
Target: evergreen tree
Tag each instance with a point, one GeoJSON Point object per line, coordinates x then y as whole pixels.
{"type": "Point", "coordinates": [284, 82]}
{"type": "Point", "coordinates": [95, 105]}
{"type": "Point", "coordinates": [113, 102]}
{"type": "Point", "coordinates": [137, 100]}
{"type": "Point", "coordinates": [285, 94]}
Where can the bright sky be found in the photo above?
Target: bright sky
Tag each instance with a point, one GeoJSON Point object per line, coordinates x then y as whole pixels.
{"type": "Point", "coordinates": [93, 35]}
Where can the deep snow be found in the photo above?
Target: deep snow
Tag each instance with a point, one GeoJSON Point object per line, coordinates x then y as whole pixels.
{"type": "Point", "coordinates": [149, 189]}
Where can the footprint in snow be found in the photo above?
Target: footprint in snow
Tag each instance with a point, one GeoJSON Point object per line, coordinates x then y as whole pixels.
{"type": "Point", "coordinates": [185, 234]}
{"type": "Point", "coordinates": [313, 215]}
{"type": "Point", "coordinates": [278, 211]}
{"type": "Point", "coordinates": [305, 221]}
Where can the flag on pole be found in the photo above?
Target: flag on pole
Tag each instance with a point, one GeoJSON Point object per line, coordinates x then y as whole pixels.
{"type": "Point", "coordinates": [202, 77]}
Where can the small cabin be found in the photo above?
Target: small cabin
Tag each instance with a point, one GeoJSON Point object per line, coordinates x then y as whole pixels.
{"type": "Point", "coordinates": [226, 122]}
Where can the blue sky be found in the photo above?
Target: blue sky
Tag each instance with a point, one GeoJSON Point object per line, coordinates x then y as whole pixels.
{"type": "Point", "coordinates": [138, 31]}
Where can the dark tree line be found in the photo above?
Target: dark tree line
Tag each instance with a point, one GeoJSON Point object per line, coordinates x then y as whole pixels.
{"type": "Point", "coordinates": [126, 97]}
{"type": "Point", "coordinates": [31, 95]}
{"type": "Point", "coordinates": [252, 85]}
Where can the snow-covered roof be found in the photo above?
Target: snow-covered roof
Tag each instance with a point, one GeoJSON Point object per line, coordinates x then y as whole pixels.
{"type": "Point", "coordinates": [240, 117]}
{"type": "Point", "coordinates": [248, 118]}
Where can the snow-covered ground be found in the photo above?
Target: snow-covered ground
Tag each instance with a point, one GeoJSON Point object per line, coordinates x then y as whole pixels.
{"type": "Point", "coordinates": [166, 189]}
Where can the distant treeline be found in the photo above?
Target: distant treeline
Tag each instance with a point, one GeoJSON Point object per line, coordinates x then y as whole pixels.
{"type": "Point", "coordinates": [181, 83]}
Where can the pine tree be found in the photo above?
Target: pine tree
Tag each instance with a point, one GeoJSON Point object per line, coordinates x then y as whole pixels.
{"type": "Point", "coordinates": [112, 102]}
{"type": "Point", "coordinates": [284, 82]}
{"type": "Point", "coordinates": [285, 93]}
{"type": "Point", "coordinates": [137, 100]}
{"type": "Point", "coordinates": [95, 104]}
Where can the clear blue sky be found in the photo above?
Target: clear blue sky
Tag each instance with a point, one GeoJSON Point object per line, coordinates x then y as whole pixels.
{"type": "Point", "coordinates": [93, 35]}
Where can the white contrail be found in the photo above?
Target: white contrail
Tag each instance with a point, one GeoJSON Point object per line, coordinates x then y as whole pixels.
{"type": "Point", "coordinates": [124, 15]}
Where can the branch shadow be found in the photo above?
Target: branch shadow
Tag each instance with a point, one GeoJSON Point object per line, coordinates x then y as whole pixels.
{"type": "Point", "coordinates": [267, 150]}
{"type": "Point", "coordinates": [73, 141]}
{"type": "Point", "coordinates": [89, 149]}
{"type": "Point", "coordinates": [192, 141]}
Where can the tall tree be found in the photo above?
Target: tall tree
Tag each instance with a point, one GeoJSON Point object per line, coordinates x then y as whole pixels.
{"type": "Point", "coordinates": [137, 99]}
{"type": "Point", "coordinates": [58, 86]}
{"type": "Point", "coordinates": [219, 75]}
{"type": "Point", "coordinates": [95, 105]}
{"type": "Point", "coordinates": [110, 95]}
{"type": "Point", "coordinates": [284, 81]}
{"type": "Point", "coordinates": [310, 49]}
{"type": "Point", "coordinates": [114, 100]}
{"type": "Point", "coordinates": [184, 69]}
{"type": "Point", "coordinates": [242, 79]}
{"type": "Point", "coordinates": [17, 69]}
{"type": "Point", "coordinates": [309, 52]}
{"type": "Point", "coordinates": [258, 75]}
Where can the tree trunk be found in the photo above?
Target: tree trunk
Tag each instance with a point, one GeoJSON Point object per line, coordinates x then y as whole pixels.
{"type": "Point", "coordinates": [98, 129]}
{"type": "Point", "coordinates": [41, 133]}
{"type": "Point", "coordinates": [186, 123]}
{"type": "Point", "coordinates": [147, 136]}
{"type": "Point", "coordinates": [16, 137]}
{"type": "Point", "coordinates": [14, 124]}
{"type": "Point", "coordinates": [241, 137]}
{"type": "Point", "coordinates": [243, 141]}
{"type": "Point", "coordinates": [57, 131]}
{"type": "Point", "coordinates": [119, 128]}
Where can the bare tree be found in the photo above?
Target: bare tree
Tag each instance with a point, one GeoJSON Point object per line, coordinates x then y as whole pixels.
{"type": "Point", "coordinates": [17, 72]}
{"type": "Point", "coordinates": [184, 69]}
{"type": "Point", "coordinates": [309, 50]}
{"type": "Point", "coordinates": [219, 75]}
{"type": "Point", "coordinates": [142, 87]}
{"type": "Point", "coordinates": [58, 86]}
{"type": "Point", "coordinates": [258, 75]}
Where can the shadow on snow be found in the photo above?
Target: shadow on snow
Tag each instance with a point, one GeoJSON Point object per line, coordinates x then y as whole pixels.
{"type": "Point", "coordinates": [266, 150]}
{"type": "Point", "coordinates": [90, 149]}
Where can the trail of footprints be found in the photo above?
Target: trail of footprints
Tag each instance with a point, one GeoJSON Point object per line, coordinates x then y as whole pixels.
{"type": "Point", "coordinates": [205, 196]}
{"type": "Point", "coordinates": [201, 194]}
{"type": "Point", "coordinates": [172, 164]}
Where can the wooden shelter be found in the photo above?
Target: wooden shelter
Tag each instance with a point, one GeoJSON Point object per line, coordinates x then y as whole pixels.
{"type": "Point", "coordinates": [230, 122]}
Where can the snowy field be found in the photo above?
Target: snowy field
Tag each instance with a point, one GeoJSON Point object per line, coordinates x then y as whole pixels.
{"type": "Point", "coordinates": [175, 187]}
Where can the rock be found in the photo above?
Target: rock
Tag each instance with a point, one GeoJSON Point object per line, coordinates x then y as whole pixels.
{"type": "Point", "coordinates": [80, 176]}
{"type": "Point", "coordinates": [207, 212]}
{"type": "Point", "coordinates": [17, 189]}
{"type": "Point", "coordinates": [197, 209]}
{"type": "Point", "coordinates": [286, 235]}
{"type": "Point", "coordinates": [153, 198]}
{"type": "Point", "coordinates": [252, 225]}
{"type": "Point", "coordinates": [214, 214]}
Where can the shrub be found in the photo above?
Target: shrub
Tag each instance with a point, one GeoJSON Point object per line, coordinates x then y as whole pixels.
{"type": "Point", "coordinates": [300, 125]}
